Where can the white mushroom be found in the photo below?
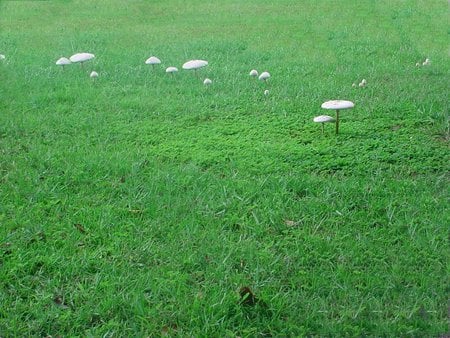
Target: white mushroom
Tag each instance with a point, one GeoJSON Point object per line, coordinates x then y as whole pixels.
{"type": "Point", "coordinates": [264, 76]}
{"type": "Point", "coordinates": [427, 62]}
{"type": "Point", "coordinates": [152, 60]}
{"type": "Point", "coordinates": [253, 73]}
{"type": "Point", "coordinates": [417, 64]}
{"type": "Point", "coordinates": [353, 85]}
{"type": "Point", "coordinates": [363, 83]}
{"type": "Point", "coordinates": [207, 82]}
{"type": "Point", "coordinates": [322, 119]}
{"type": "Point", "coordinates": [81, 57]}
{"type": "Point", "coordinates": [266, 92]}
{"type": "Point", "coordinates": [2, 57]}
{"type": "Point", "coordinates": [195, 64]}
{"type": "Point", "coordinates": [337, 105]}
{"type": "Point", "coordinates": [63, 62]}
{"type": "Point", "coordinates": [93, 75]}
{"type": "Point", "coordinates": [171, 69]}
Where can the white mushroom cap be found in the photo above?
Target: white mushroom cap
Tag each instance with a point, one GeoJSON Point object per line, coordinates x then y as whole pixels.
{"type": "Point", "coordinates": [337, 104]}
{"type": "Point", "coordinates": [171, 69]}
{"type": "Point", "coordinates": [81, 57]}
{"type": "Point", "coordinates": [2, 57]}
{"type": "Point", "coordinates": [362, 84]}
{"type": "Point", "coordinates": [195, 64]}
{"type": "Point", "coordinates": [152, 60]}
{"type": "Point", "coordinates": [207, 82]}
{"type": "Point", "coordinates": [417, 64]}
{"type": "Point", "coordinates": [264, 76]}
{"type": "Point", "coordinates": [93, 74]}
{"type": "Point", "coordinates": [63, 61]}
{"type": "Point", "coordinates": [253, 72]}
{"type": "Point", "coordinates": [266, 92]}
{"type": "Point", "coordinates": [323, 119]}
{"type": "Point", "coordinates": [364, 81]}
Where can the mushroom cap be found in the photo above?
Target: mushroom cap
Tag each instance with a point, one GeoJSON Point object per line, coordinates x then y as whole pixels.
{"type": "Point", "coordinates": [266, 92]}
{"type": "Point", "coordinates": [152, 60]}
{"type": "Point", "coordinates": [195, 64]}
{"type": "Point", "coordinates": [253, 72]}
{"type": "Point", "coordinates": [323, 119]}
{"type": "Point", "coordinates": [63, 61]}
{"type": "Point", "coordinates": [81, 57]}
{"type": "Point", "coordinates": [2, 57]}
{"type": "Point", "coordinates": [171, 69]}
{"type": "Point", "coordinates": [93, 74]}
{"type": "Point", "coordinates": [207, 81]}
{"type": "Point", "coordinates": [264, 76]}
{"type": "Point", "coordinates": [338, 104]}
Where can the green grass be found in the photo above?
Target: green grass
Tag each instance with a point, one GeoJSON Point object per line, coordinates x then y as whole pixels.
{"type": "Point", "coordinates": [141, 203]}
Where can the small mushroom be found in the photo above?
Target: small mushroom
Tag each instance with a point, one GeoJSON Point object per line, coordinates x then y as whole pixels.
{"type": "Point", "coordinates": [427, 62]}
{"type": "Point", "coordinates": [81, 57]}
{"type": "Point", "coordinates": [63, 62]}
{"type": "Point", "coordinates": [266, 92]}
{"type": "Point", "coordinates": [93, 75]}
{"type": "Point", "coordinates": [363, 83]}
{"type": "Point", "coordinates": [171, 70]}
{"type": "Point", "coordinates": [2, 57]}
{"type": "Point", "coordinates": [354, 85]}
{"type": "Point", "coordinates": [207, 82]}
{"type": "Point", "coordinates": [253, 73]}
{"type": "Point", "coordinates": [417, 64]}
{"type": "Point", "coordinates": [322, 119]}
{"type": "Point", "coordinates": [264, 76]}
{"type": "Point", "coordinates": [337, 105]}
{"type": "Point", "coordinates": [152, 60]}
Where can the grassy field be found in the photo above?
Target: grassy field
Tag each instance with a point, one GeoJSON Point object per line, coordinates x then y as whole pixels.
{"type": "Point", "coordinates": [143, 204]}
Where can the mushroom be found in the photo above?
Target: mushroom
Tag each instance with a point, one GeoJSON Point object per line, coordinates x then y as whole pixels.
{"type": "Point", "coordinates": [266, 92]}
{"type": "Point", "coordinates": [362, 83]}
{"type": "Point", "coordinates": [81, 57]}
{"type": "Point", "coordinates": [195, 64]}
{"type": "Point", "coordinates": [63, 61]}
{"type": "Point", "coordinates": [322, 119]}
{"type": "Point", "coordinates": [337, 105]}
{"type": "Point", "coordinates": [93, 75]}
{"type": "Point", "coordinates": [354, 85]}
{"type": "Point", "coordinates": [207, 82]}
{"type": "Point", "coordinates": [264, 76]}
{"type": "Point", "coordinates": [427, 62]}
{"type": "Point", "coordinates": [417, 64]}
{"type": "Point", "coordinates": [2, 57]}
{"type": "Point", "coordinates": [253, 73]}
{"type": "Point", "coordinates": [171, 69]}
{"type": "Point", "coordinates": [152, 60]}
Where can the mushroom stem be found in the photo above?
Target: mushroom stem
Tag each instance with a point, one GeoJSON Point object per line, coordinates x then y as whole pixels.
{"type": "Point", "coordinates": [337, 121]}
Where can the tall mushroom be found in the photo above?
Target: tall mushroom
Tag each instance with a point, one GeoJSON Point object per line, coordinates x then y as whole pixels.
{"type": "Point", "coordinates": [195, 64]}
{"type": "Point", "coordinates": [264, 76]}
{"type": "Point", "coordinates": [337, 105]}
{"type": "Point", "coordinates": [81, 57]}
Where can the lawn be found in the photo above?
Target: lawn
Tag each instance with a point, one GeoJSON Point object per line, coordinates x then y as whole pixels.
{"type": "Point", "coordinates": [145, 204]}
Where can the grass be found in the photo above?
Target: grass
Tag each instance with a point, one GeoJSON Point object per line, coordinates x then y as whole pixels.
{"type": "Point", "coordinates": [140, 204]}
